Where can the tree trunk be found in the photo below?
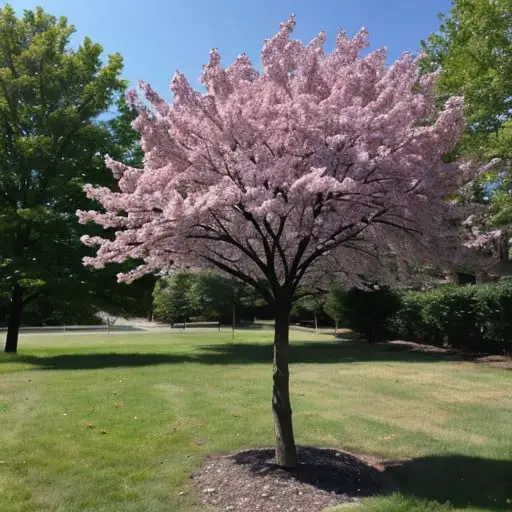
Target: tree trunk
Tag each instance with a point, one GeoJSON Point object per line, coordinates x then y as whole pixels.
{"type": "Point", "coordinates": [14, 322]}
{"type": "Point", "coordinates": [286, 453]}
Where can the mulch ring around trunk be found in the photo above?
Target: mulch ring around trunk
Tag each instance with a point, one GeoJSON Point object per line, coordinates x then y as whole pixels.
{"type": "Point", "coordinates": [251, 481]}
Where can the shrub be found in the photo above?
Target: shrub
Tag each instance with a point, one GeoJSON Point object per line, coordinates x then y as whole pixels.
{"type": "Point", "coordinates": [369, 312]}
{"type": "Point", "coordinates": [413, 321]}
{"type": "Point", "coordinates": [476, 317]}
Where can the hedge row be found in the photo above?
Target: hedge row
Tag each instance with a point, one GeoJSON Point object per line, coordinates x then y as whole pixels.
{"type": "Point", "coordinates": [474, 318]}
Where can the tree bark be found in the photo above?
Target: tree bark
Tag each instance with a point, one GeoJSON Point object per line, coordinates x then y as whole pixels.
{"type": "Point", "coordinates": [14, 322]}
{"type": "Point", "coordinates": [286, 452]}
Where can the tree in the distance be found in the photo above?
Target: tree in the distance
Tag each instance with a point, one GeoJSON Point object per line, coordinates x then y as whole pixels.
{"type": "Point", "coordinates": [333, 305]}
{"type": "Point", "coordinates": [316, 162]}
{"type": "Point", "coordinates": [311, 305]}
{"type": "Point", "coordinates": [216, 296]}
{"type": "Point", "coordinates": [206, 294]}
{"type": "Point", "coordinates": [170, 298]}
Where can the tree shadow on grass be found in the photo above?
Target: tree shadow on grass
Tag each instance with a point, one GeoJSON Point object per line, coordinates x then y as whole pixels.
{"type": "Point", "coordinates": [319, 352]}
{"type": "Point", "coordinates": [460, 480]}
{"type": "Point", "coordinates": [236, 353]}
{"type": "Point", "coordinates": [96, 361]}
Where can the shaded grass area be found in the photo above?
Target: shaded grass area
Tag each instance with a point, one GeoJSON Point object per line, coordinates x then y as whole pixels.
{"type": "Point", "coordinates": [462, 481]}
{"type": "Point", "coordinates": [120, 422]}
{"type": "Point", "coordinates": [312, 352]}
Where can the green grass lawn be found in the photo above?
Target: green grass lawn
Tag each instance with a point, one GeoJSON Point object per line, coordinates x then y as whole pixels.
{"type": "Point", "coordinates": [119, 422]}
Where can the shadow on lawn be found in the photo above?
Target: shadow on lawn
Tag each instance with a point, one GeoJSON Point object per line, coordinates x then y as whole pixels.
{"type": "Point", "coordinates": [238, 353]}
{"type": "Point", "coordinates": [463, 481]}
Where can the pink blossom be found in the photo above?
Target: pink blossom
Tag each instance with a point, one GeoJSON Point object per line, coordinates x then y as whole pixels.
{"type": "Point", "coordinates": [317, 162]}
{"type": "Point", "coordinates": [481, 239]}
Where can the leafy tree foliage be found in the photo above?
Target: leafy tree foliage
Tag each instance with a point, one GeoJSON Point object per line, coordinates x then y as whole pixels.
{"type": "Point", "coordinates": [50, 97]}
{"type": "Point", "coordinates": [473, 50]}
{"type": "Point", "coordinates": [170, 298]}
{"type": "Point", "coordinates": [104, 292]}
{"type": "Point", "coordinates": [204, 295]}
{"type": "Point", "coordinates": [309, 307]}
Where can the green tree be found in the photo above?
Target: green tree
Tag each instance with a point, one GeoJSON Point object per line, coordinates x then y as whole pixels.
{"type": "Point", "coordinates": [212, 295]}
{"type": "Point", "coordinates": [206, 294]}
{"type": "Point", "coordinates": [98, 290]}
{"type": "Point", "coordinates": [473, 49]}
{"type": "Point", "coordinates": [312, 305]}
{"type": "Point", "coordinates": [50, 145]}
{"type": "Point", "coordinates": [221, 298]}
{"type": "Point", "coordinates": [334, 306]}
{"type": "Point", "coordinates": [171, 298]}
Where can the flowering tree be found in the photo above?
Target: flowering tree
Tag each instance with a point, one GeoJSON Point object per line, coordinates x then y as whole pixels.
{"type": "Point", "coordinates": [314, 162]}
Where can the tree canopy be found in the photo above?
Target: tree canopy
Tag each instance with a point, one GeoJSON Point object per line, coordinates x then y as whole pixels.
{"type": "Point", "coordinates": [268, 173]}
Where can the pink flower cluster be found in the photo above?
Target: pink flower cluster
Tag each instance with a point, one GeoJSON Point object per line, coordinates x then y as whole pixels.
{"type": "Point", "coordinates": [316, 162]}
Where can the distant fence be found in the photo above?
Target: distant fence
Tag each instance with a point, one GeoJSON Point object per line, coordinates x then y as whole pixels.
{"type": "Point", "coordinates": [192, 325]}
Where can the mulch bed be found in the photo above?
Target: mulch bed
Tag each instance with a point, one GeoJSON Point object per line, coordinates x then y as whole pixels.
{"type": "Point", "coordinates": [251, 481]}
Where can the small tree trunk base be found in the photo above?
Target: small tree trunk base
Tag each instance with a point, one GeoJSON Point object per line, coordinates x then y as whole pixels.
{"type": "Point", "coordinates": [11, 346]}
{"type": "Point", "coordinates": [286, 451]}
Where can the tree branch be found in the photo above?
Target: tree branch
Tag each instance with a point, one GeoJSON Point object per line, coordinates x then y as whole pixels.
{"type": "Point", "coordinates": [243, 277]}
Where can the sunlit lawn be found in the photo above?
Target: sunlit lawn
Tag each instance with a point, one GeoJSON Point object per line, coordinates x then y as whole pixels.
{"type": "Point", "coordinates": [120, 422]}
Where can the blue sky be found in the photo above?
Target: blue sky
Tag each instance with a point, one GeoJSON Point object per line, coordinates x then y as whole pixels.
{"type": "Point", "coordinates": [157, 37]}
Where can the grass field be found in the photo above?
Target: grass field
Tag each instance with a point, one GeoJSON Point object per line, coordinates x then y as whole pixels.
{"type": "Point", "coordinates": [119, 422]}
